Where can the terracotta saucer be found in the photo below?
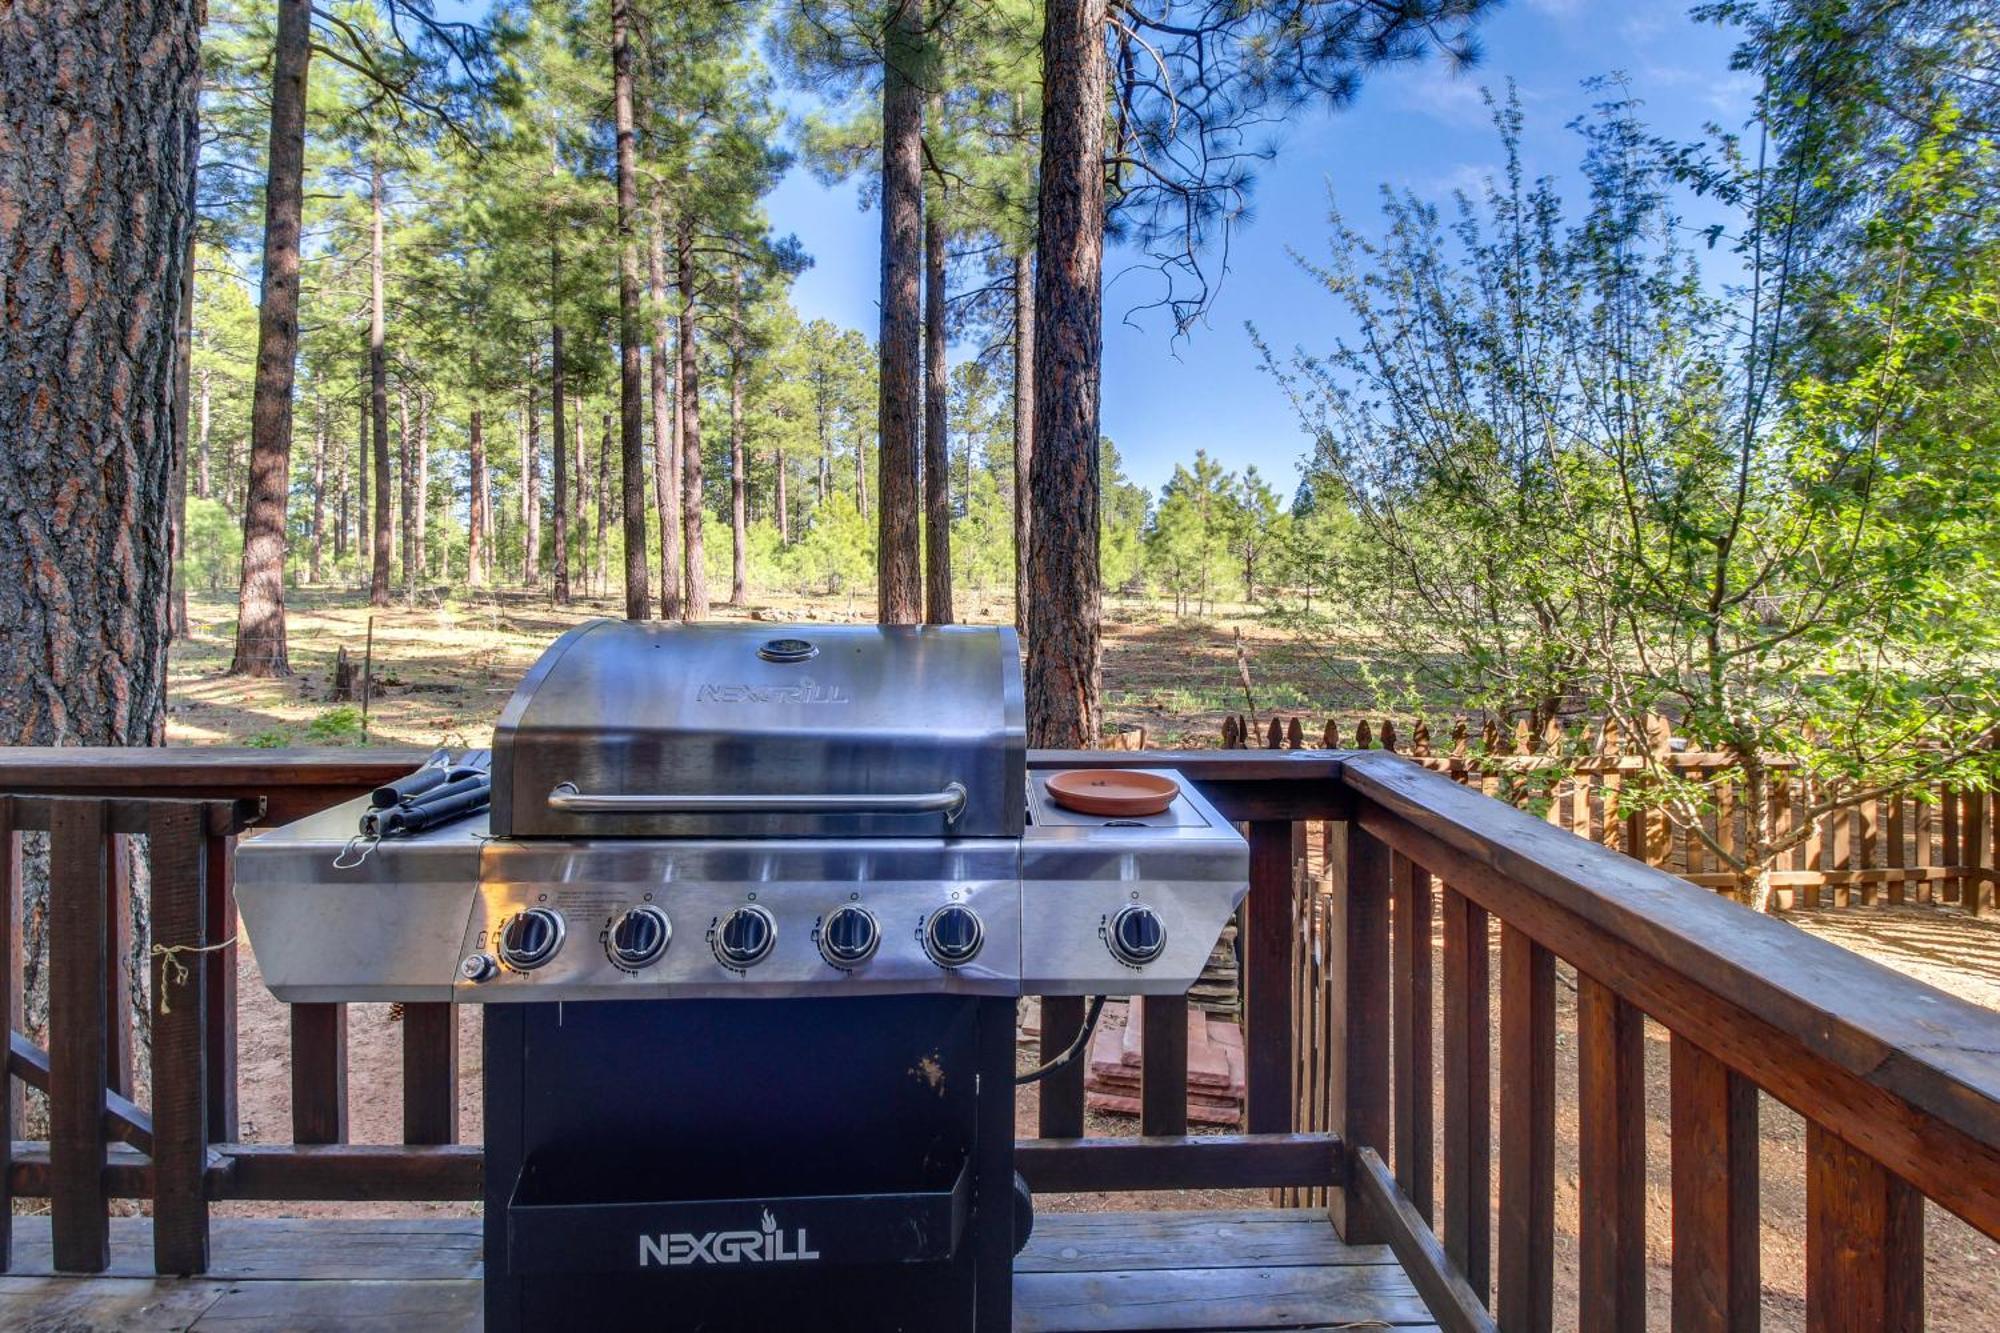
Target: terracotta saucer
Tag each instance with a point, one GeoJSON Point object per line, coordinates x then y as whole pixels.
{"type": "Point", "coordinates": [1112, 791]}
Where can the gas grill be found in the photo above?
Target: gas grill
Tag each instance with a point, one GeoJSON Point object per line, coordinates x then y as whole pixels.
{"type": "Point", "coordinates": [748, 915]}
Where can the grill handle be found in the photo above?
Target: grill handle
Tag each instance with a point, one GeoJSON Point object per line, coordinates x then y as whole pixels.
{"type": "Point", "coordinates": [950, 802]}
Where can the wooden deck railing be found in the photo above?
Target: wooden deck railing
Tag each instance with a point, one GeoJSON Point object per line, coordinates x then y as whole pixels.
{"type": "Point", "coordinates": [1899, 1084]}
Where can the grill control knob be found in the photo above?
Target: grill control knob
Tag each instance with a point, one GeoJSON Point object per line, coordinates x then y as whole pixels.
{"type": "Point", "coordinates": [640, 936]}
{"type": "Point", "coordinates": [531, 938]}
{"type": "Point", "coordinates": [1136, 936]}
{"type": "Point", "coordinates": [952, 935]}
{"type": "Point", "coordinates": [848, 936]}
{"type": "Point", "coordinates": [744, 936]}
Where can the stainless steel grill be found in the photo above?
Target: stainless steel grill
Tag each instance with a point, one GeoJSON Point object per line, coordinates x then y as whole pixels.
{"type": "Point", "coordinates": [791, 881]}
{"type": "Point", "coordinates": [742, 810]}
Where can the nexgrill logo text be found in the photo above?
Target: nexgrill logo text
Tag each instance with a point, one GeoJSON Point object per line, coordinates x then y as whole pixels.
{"type": "Point", "coordinates": [675, 1249]}
{"type": "Point", "coordinates": [803, 691]}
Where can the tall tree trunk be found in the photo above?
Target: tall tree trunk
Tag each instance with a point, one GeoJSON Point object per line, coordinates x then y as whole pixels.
{"type": "Point", "coordinates": [823, 422]}
{"type": "Point", "coordinates": [364, 538]}
{"type": "Point", "coordinates": [315, 569]}
{"type": "Point", "coordinates": [937, 455]}
{"type": "Point", "coordinates": [580, 489]}
{"type": "Point", "coordinates": [178, 627]}
{"type": "Point", "coordinates": [603, 552]}
{"type": "Point", "coordinates": [1064, 583]}
{"type": "Point", "coordinates": [900, 590]}
{"type": "Point", "coordinates": [475, 505]}
{"type": "Point", "coordinates": [780, 502]}
{"type": "Point", "coordinates": [423, 454]}
{"type": "Point", "coordinates": [531, 496]}
{"type": "Point", "coordinates": [378, 390]}
{"type": "Point", "coordinates": [558, 445]}
{"type": "Point", "coordinates": [690, 427]}
{"type": "Point", "coordinates": [1024, 428]}
{"type": "Point", "coordinates": [666, 433]}
{"type": "Point", "coordinates": [631, 441]}
{"type": "Point", "coordinates": [406, 461]}
{"type": "Point", "coordinates": [260, 604]}
{"type": "Point", "coordinates": [739, 482]}
{"type": "Point", "coordinates": [861, 474]}
{"type": "Point", "coordinates": [343, 494]}
{"type": "Point", "coordinates": [203, 490]}
{"type": "Point", "coordinates": [94, 226]}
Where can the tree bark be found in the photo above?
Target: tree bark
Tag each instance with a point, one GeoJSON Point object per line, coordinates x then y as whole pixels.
{"type": "Point", "coordinates": [780, 502]}
{"type": "Point", "coordinates": [666, 433]}
{"type": "Point", "coordinates": [1024, 427]}
{"type": "Point", "coordinates": [315, 569]}
{"type": "Point", "coordinates": [690, 428]}
{"type": "Point", "coordinates": [364, 537]}
{"type": "Point", "coordinates": [378, 390]}
{"type": "Point", "coordinates": [558, 445]}
{"type": "Point", "coordinates": [343, 494]}
{"type": "Point", "coordinates": [422, 448]}
{"type": "Point", "coordinates": [937, 452]}
{"type": "Point", "coordinates": [602, 555]}
{"type": "Point", "coordinates": [739, 483]}
{"type": "Point", "coordinates": [1064, 584]}
{"type": "Point", "coordinates": [260, 604]}
{"type": "Point", "coordinates": [580, 489]}
{"type": "Point", "coordinates": [631, 442]}
{"type": "Point", "coordinates": [94, 227]}
{"type": "Point", "coordinates": [899, 584]}
{"type": "Point", "coordinates": [406, 462]}
{"type": "Point", "coordinates": [202, 489]}
{"type": "Point", "coordinates": [475, 505]}
{"type": "Point", "coordinates": [177, 610]}
{"type": "Point", "coordinates": [531, 497]}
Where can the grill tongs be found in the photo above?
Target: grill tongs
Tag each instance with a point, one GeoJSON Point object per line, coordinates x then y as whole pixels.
{"type": "Point", "coordinates": [438, 792]}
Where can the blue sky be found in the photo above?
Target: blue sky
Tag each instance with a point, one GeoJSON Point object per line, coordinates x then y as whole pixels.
{"type": "Point", "coordinates": [1423, 128]}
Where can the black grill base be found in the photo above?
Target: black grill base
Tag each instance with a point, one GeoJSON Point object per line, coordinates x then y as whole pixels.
{"type": "Point", "coordinates": [840, 1164]}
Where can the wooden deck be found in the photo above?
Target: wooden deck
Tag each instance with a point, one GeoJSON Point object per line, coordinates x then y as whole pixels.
{"type": "Point", "coordinates": [1119, 1272]}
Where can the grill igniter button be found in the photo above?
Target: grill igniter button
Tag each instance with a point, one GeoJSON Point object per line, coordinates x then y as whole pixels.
{"type": "Point", "coordinates": [1136, 935]}
{"type": "Point", "coordinates": [532, 938]}
{"type": "Point", "coordinates": [849, 936]}
{"type": "Point", "coordinates": [952, 935]}
{"type": "Point", "coordinates": [744, 937]}
{"type": "Point", "coordinates": [639, 937]}
{"type": "Point", "coordinates": [477, 967]}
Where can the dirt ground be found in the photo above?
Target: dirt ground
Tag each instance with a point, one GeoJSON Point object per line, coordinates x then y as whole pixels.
{"type": "Point", "coordinates": [443, 672]}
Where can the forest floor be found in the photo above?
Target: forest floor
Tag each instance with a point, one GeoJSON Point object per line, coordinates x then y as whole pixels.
{"type": "Point", "coordinates": [443, 672]}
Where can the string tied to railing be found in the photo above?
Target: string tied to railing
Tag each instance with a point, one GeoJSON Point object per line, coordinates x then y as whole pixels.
{"type": "Point", "coordinates": [176, 973]}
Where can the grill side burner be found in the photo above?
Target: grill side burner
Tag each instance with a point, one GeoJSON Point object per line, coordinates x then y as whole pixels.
{"type": "Point", "coordinates": [746, 922]}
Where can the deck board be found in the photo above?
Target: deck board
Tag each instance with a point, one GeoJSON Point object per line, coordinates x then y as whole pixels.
{"type": "Point", "coordinates": [1216, 1272]}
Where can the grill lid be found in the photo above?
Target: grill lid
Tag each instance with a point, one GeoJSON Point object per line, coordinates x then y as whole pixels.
{"type": "Point", "coordinates": [642, 729]}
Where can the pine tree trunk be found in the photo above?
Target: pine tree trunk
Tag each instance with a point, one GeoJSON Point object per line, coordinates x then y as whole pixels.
{"type": "Point", "coordinates": [315, 569]}
{"type": "Point", "coordinates": [631, 441]}
{"type": "Point", "coordinates": [690, 428]}
{"type": "Point", "coordinates": [423, 452]}
{"type": "Point", "coordinates": [364, 537]}
{"type": "Point", "coordinates": [603, 497]}
{"type": "Point", "coordinates": [666, 433]}
{"type": "Point", "coordinates": [378, 391]}
{"type": "Point", "coordinates": [475, 516]}
{"type": "Point", "coordinates": [343, 496]}
{"type": "Point", "coordinates": [94, 226]}
{"type": "Point", "coordinates": [937, 453]}
{"type": "Point", "coordinates": [780, 502]}
{"type": "Point", "coordinates": [1064, 593]}
{"type": "Point", "coordinates": [531, 495]}
{"type": "Point", "coordinates": [406, 462]}
{"type": "Point", "coordinates": [202, 488]}
{"type": "Point", "coordinates": [899, 587]}
{"type": "Point", "coordinates": [177, 487]}
{"type": "Point", "coordinates": [1024, 428]}
{"type": "Point", "coordinates": [558, 445]}
{"type": "Point", "coordinates": [260, 605]}
{"type": "Point", "coordinates": [580, 490]}
{"type": "Point", "coordinates": [739, 483]}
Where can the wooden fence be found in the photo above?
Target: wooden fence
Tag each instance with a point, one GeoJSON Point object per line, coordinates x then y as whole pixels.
{"type": "Point", "coordinates": [1938, 844]}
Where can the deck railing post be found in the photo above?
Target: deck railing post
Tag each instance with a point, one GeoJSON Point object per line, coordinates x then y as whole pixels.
{"type": "Point", "coordinates": [1714, 1119]}
{"type": "Point", "coordinates": [1864, 1241]}
{"type": "Point", "coordinates": [178, 849]}
{"type": "Point", "coordinates": [1358, 1036]}
{"type": "Point", "coordinates": [1267, 979]}
{"type": "Point", "coordinates": [219, 1026]}
{"type": "Point", "coordinates": [79, 879]}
